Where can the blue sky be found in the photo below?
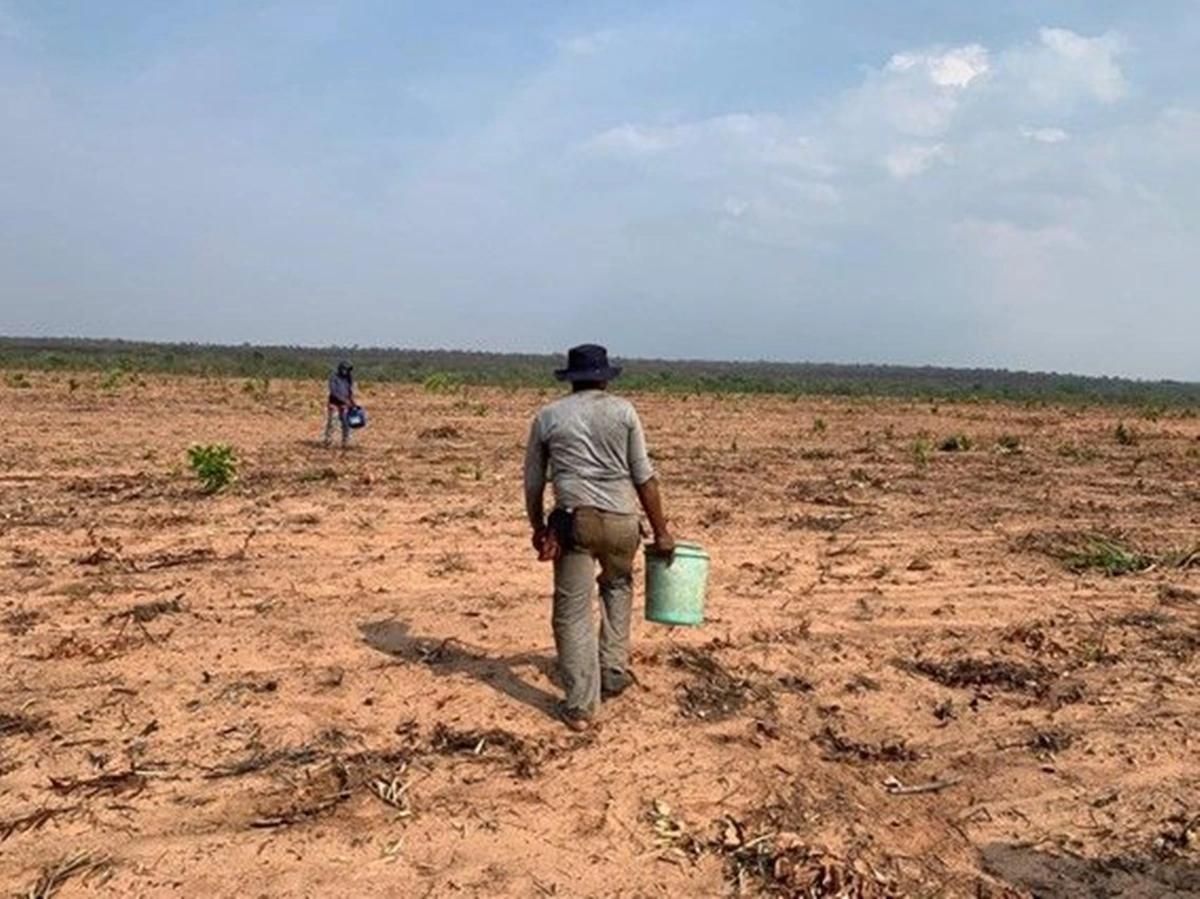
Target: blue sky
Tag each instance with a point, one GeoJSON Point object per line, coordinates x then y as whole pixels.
{"type": "Point", "coordinates": [1008, 185]}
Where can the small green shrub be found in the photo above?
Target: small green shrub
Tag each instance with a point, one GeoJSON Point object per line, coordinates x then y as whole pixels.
{"type": "Point", "coordinates": [450, 562]}
{"type": "Point", "coordinates": [920, 449]}
{"type": "Point", "coordinates": [17, 380]}
{"type": "Point", "coordinates": [257, 387]}
{"type": "Point", "coordinates": [111, 380]}
{"type": "Point", "coordinates": [473, 470]}
{"type": "Point", "coordinates": [442, 382]}
{"type": "Point", "coordinates": [215, 465]}
{"type": "Point", "coordinates": [1109, 556]}
{"type": "Point", "coordinates": [819, 426]}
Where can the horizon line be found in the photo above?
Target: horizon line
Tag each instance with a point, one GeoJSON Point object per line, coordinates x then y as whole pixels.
{"type": "Point", "coordinates": [336, 349]}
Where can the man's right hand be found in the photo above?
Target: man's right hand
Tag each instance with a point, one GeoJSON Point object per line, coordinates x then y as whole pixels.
{"type": "Point", "coordinates": [664, 545]}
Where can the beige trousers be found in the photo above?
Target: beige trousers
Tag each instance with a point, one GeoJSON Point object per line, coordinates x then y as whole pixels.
{"type": "Point", "coordinates": [585, 663]}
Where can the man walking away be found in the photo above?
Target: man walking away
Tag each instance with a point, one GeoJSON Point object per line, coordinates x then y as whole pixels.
{"type": "Point", "coordinates": [341, 398]}
{"type": "Point", "coordinates": [592, 446]}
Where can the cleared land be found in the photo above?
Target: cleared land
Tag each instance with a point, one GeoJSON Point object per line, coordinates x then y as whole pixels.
{"type": "Point", "coordinates": [953, 650]}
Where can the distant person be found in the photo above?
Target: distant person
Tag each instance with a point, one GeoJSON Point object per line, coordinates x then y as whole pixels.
{"type": "Point", "coordinates": [592, 446]}
{"type": "Point", "coordinates": [341, 399]}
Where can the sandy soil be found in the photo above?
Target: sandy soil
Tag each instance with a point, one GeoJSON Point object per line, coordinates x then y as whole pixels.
{"type": "Point", "coordinates": [337, 678]}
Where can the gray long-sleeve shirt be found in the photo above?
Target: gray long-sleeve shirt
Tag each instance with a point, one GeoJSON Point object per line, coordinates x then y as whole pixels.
{"type": "Point", "coordinates": [592, 447]}
{"type": "Point", "coordinates": [341, 388]}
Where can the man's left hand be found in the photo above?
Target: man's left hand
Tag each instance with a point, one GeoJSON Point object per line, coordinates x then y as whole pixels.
{"type": "Point", "coordinates": [545, 541]}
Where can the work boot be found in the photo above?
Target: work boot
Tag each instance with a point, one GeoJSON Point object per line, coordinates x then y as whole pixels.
{"type": "Point", "coordinates": [575, 719]}
{"type": "Point", "coordinates": [614, 682]}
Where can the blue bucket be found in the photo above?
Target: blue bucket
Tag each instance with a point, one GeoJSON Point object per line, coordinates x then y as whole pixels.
{"type": "Point", "coordinates": [675, 593]}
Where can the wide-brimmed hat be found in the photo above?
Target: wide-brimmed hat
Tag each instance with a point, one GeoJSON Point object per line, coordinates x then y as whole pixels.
{"type": "Point", "coordinates": [587, 362]}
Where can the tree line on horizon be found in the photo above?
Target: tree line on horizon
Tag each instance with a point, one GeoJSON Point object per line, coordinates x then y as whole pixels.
{"type": "Point", "coordinates": [446, 369]}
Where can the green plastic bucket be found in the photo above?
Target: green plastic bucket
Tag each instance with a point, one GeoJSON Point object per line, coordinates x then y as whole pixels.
{"type": "Point", "coordinates": [675, 592]}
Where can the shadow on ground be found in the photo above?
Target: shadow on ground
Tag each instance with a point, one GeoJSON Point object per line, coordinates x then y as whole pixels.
{"type": "Point", "coordinates": [451, 656]}
{"type": "Point", "coordinates": [1070, 877]}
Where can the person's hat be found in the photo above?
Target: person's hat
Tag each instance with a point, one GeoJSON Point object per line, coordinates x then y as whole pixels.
{"type": "Point", "coordinates": [345, 366]}
{"type": "Point", "coordinates": [587, 362]}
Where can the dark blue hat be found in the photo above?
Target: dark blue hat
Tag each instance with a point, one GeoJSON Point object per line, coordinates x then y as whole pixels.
{"type": "Point", "coordinates": [587, 362]}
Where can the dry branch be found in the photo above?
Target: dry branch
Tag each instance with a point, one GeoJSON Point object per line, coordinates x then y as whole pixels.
{"type": "Point", "coordinates": [35, 820]}
{"type": "Point", "coordinates": [52, 877]}
{"type": "Point", "coordinates": [127, 782]}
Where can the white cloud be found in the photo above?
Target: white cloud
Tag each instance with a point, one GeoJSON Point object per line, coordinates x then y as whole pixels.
{"type": "Point", "coordinates": [922, 108]}
{"type": "Point", "coordinates": [629, 140]}
{"type": "Point", "coordinates": [769, 219]}
{"type": "Point", "coordinates": [734, 138]}
{"type": "Point", "coordinates": [769, 140]}
{"type": "Point", "coordinates": [903, 163]}
{"type": "Point", "coordinates": [735, 206]}
{"type": "Point", "coordinates": [918, 93]}
{"type": "Point", "coordinates": [1008, 241]}
{"type": "Point", "coordinates": [1092, 60]}
{"type": "Point", "coordinates": [1064, 69]}
{"type": "Point", "coordinates": [808, 191]}
{"type": "Point", "coordinates": [926, 94]}
{"type": "Point", "coordinates": [955, 68]}
{"type": "Point", "coordinates": [1021, 242]}
{"type": "Point", "coordinates": [1045, 135]}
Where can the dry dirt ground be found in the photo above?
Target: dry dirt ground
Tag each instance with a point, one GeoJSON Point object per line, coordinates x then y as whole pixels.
{"type": "Point", "coordinates": [336, 678]}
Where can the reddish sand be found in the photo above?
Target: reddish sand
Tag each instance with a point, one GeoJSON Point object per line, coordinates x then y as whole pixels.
{"type": "Point", "coordinates": [336, 678]}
